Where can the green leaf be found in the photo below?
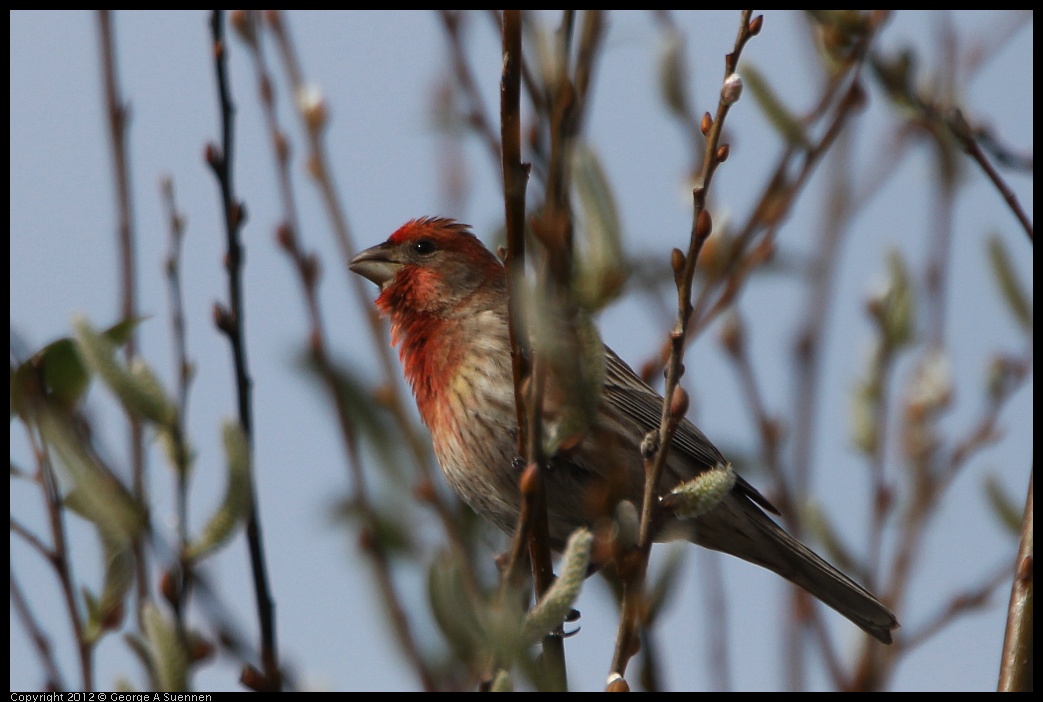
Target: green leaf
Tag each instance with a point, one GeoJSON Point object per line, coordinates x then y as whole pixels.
{"type": "Point", "coordinates": [779, 116]}
{"type": "Point", "coordinates": [236, 504]}
{"type": "Point", "coordinates": [168, 656]}
{"type": "Point", "coordinates": [61, 368]}
{"type": "Point", "coordinates": [137, 388]}
{"type": "Point", "coordinates": [600, 268]}
{"type": "Point", "coordinates": [454, 609]}
{"type": "Point", "coordinates": [1004, 508]}
{"type": "Point", "coordinates": [673, 75]}
{"type": "Point", "coordinates": [385, 526]}
{"type": "Point", "coordinates": [94, 493]}
{"type": "Point", "coordinates": [105, 613]}
{"type": "Point", "coordinates": [1011, 288]}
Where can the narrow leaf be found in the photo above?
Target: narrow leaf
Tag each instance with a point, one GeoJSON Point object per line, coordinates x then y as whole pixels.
{"type": "Point", "coordinates": [236, 503]}
{"type": "Point", "coordinates": [1011, 287]}
{"type": "Point", "coordinates": [168, 656]}
{"type": "Point", "coordinates": [779, 116]}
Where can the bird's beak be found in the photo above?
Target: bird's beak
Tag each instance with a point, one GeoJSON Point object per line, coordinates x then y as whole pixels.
{"type": "Point", "coordinates": [377, 264]}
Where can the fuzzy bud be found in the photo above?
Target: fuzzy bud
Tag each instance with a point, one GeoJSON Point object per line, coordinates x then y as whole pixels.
{"type": "Point", "coordinates": [704, 492]}
{"type": "Point", "coordinates": [556, 603]}
{"type": "Point", "coordinates": [931, 387]}
{"type": "Point", "coordinates": [650, 444]}
{"type": "Point", "coordinates": [617, 683]}
{"type": "Point", "coordinates": [732, 89]}
{"type": "Point", "coordinates": [312, 106]}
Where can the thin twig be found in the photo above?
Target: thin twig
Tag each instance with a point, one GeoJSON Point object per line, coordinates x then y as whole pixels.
{"type": "Point", "coordinates": [684, 274]}
{"type": "Point", "coordinates": [231, 321]}
{"type": "Point", "coordinates": [59, 555]}
{"type": "Point", "coordinates": [1017, 660]}
{"type": "Point", "coordinates": [307, 267]}
{"type": "Point", "coordinates": [183, 367]}
{"type": "Point", "coordinates": [958, 124]}
{"type": "Point", "coordinates": [475, 117]}
{"type": "Point", "coordinates": [319, 168]}
{"type": "Point", "coordinates": [38, 637]}
{"type": "Point", "coordinates": [183, 373]}
{"type": "Point", "coordinates": [971, 600]}
{"type": "Point", "coordinates": [515, 177]}
{"type": "Point", "coordinates": [117, 119]}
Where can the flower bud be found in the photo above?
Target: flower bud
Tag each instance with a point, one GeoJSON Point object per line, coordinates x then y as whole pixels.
{"type": "Point", "coordinates": [704, 225]}
{"type": "Point", "coordinates": [732, 89]}
{"type": "Point", "coordinates": [650, 444]}
{"type": "Point", "coordinates": [704, 492]}
{"type": "Point", "coordinates": [677, 262]}
{"type": "Point", "coordinates": [312, 106]}
{"type": "Point", "coordinates": [243, 22]}
{"type": "Point", "coordinates": [678, 403]}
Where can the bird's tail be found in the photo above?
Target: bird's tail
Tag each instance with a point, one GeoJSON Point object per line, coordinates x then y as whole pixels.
{"type": "Point", "coordinates": [764, 543]}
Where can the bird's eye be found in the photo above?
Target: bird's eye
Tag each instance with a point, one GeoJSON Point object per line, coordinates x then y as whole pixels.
{"type": "Point", "coordinates": [423, 246]}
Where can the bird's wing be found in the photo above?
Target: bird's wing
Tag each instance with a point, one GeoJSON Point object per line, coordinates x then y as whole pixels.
{"type": "Point", "coordinates": [627, 394]}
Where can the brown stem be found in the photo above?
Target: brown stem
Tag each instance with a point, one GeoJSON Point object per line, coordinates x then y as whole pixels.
{"type": "Point", "coordinates": [233, 324]}
{"type": "Point", "coordinates": [117, 121]}
{"type": "Point", "coordinates": [1016, 662]}
{"type": "Point", "coordinates": [684, 274]}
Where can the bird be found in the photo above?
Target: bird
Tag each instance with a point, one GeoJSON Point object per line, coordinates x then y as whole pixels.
{"type": "Point", "coordinates": [446, 297]}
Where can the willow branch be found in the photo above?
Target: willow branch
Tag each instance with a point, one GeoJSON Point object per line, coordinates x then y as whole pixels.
{"type": "Point", "coordinates": [117, 122]}
{"type": "Point", "coordinates": [307, 268]}
{"type": "Point", "coordinates": [231, 321]}
{"type": "Point", "coordinates": [1016, 663]}
{"type": "Point", "coordinates": [656, 447]}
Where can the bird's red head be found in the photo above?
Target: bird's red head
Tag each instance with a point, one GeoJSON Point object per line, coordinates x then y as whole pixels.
{"type": "Point", "coordinates": [429, 266]}
{"type": "Point", "coordinates": [442, 289]}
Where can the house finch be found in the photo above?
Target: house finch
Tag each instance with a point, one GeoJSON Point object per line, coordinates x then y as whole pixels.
{"type": "Point", "coordinates": [446, 296]}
